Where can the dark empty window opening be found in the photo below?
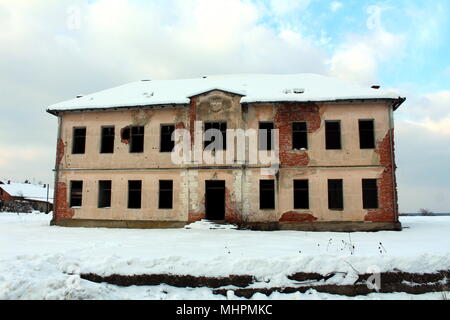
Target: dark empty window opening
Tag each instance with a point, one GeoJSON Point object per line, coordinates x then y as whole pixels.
{"type": "Point", "coordinates": [265, 136]}
{"type": "Point", "coordinates": [104, 193]}
{"type": "Point", "coordinates": [222, 127]}
{"type": "Point", "coordinates": [335, 194]}
{"type": "Point", "coordinates": [165, 194]}
{"type": "Point", "coordinates": [79, 140]}
{"type": "Point", "coordinates": [333, 135]}
{"type": "Point", "coordinates": [366, 134]}
{"type": "Point", "coordinates": [267, 194]}
{"type": "Point", "coordinates": [167, 143]}
{"type": "Point", "coordinates": [134, 194]}
{"type": "Point", "coordinates": [76, 193]}
{"type": "Point", "coordinates": [107, 142]}
{"type": "Point", "coordinates": [137, 139]}
{"type": "Point", "coordinates": [301, 194]}
{"type": "Point", "coordinates": [299, 135]}
{"type": "Point", "coordinates": [125, 134]}
{"type": "Point", "coordinates": [370, 193]}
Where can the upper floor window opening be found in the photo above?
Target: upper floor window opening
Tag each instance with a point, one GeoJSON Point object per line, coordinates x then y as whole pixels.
{"type": "Point", "coordinates": [265, 136]}
{"type": "Point", "coordinates": [79, 140]}
{"type": "Point", "coordinates": [299, 135]}
{"type": "Point", "coordinates": [137, 139]}
{"type": "Point", "coordinates": [107, 140]}
{"type": "Point", "coordinates": [366, 134]}
{"type": "Point", "coordinates": [333, 135]}
{"type": "Point", "coordinates": [210, 138]}
{"type": "Point", "coordinates": [166, 142]}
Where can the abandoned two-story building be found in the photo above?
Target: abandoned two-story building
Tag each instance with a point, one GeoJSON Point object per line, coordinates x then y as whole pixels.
{"type": "Point", "coordinates": [332, 141]}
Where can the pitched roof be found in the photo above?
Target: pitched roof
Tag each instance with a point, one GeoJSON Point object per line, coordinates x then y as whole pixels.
{"type": "Point", "coordinates": [253, 87]}
{"type": "Point", "coordinates": [28, 191]}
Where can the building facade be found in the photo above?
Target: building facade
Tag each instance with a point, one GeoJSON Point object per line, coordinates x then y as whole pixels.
{"type": "Point", "coordinates": [335, 152]}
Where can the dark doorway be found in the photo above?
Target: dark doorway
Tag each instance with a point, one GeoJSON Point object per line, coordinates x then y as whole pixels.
{"type": "Point", "coordinates": [215, 199]}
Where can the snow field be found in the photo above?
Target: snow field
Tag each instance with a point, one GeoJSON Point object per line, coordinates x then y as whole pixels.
{"type": "Point", "coordinates": [42, 262]}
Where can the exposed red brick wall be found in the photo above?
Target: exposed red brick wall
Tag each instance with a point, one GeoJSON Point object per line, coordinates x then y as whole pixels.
{"type": "Point", "coordinates": [387, 185]}
{"type": "Point", "coordinates": [195, 216]}
{"type": "Point", "coordinates": [231, 214]}
{"type": "Point", "coordinates": [285, 114]}
{"type": "Point", "coordinates": [293, 216]}
{"type": "Point", "coordinates": [59, 151]}
{"type": "Point", "coordinates": [192, 117]}
{"type": "Point", "coordinates": [199, 214]}
{"type": "Point", "coordinates": [61, 206]}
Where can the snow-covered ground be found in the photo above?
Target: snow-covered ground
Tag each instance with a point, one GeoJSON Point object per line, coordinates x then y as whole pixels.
{"type": "Point", "coordinates": [42, 262]}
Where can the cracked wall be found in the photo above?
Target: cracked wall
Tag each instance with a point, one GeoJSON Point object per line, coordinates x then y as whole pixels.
{"type": "Point", "coordinates": [387, 185]}
{"type": "Point", "coordinates": [242, 183]}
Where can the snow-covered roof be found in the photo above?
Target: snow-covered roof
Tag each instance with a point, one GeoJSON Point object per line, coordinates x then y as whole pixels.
{"type": "Point", "coordinates": [253, 87]}
{"type": "Point", "coordinates": [28, 191]}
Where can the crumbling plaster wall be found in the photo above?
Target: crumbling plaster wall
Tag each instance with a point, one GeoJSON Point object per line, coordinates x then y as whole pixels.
{"type": "Point", "coordinates": [242, 182]}
{"type": "Point", "coordinates": [119, 197]}
{"type": "Point", "coordinates": [121, 158]}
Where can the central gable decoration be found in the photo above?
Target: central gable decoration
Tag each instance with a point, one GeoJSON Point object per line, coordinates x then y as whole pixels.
{"type": "Point", "coordinates": [215, 103]}
{"type": "Point", "coordinates": [216, 100]}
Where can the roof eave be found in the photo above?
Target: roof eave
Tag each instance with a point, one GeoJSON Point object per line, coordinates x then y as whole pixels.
{"type": "Point", "coordinates": [57, 112]}
{"type": "Point", "coordinates": [398, 102]}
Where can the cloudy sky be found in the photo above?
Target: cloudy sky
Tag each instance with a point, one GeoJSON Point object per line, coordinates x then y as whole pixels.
{"type": "Point", "coordinates": [53, 50]}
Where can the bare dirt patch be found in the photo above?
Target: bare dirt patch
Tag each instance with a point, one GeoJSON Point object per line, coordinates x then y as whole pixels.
{"type": "Point", "coordinates": [171, 280]}
{"type": "Point", "coordinates": [411, 283]}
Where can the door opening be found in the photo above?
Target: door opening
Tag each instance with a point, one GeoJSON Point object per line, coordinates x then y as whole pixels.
{"type": "Point", "coordinates": [215, 199]}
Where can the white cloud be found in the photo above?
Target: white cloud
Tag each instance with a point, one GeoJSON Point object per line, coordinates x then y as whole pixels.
{"type": "Point", "coordinates": [56, 50]}
{"type": "Point", "coordinates": [422, 154]}
{"type": "Point", "coordinates": [441, 126]}
{"type": "Point", "coordinates": [355, 62]}
{"type": "Point", "coordinates": [422, 141]}
{"type": "Point", "coordinates": [283, 7]}
{"type": "Point", "coordinates": [193, 38]}
{"type": "Point", "coordinates": [414, 196]}
{"type": "Point", "coordinates": [10, 154]}
{"type": "Point", "coordinates": [359, 56]}
{"type": "Point", "coordinates": [431, 108]}
{"type": "Point", "coordinates": [120, 41]}
{"type": "Point", "coordinates": [428, 21]}
{"type": "Point", "coordinates": [26, 162]}
{"type": "Point", "coordinates": [335, 6]}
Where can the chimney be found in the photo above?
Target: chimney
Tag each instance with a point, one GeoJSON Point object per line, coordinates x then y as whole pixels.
{"type": "Point", "coordinates": [9, 181]}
